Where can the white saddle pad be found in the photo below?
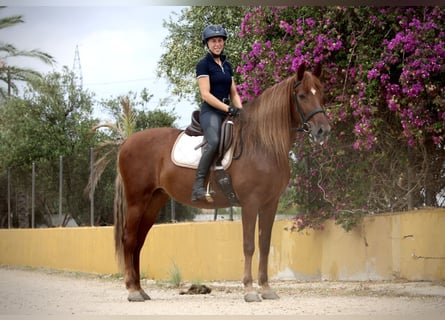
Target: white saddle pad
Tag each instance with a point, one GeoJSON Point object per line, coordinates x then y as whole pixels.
{"type": "Point", "coordinates": [184, 154]}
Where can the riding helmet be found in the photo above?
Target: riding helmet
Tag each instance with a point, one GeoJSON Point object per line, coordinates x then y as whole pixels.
{"type": "Point", "coordinates": [213, 31]}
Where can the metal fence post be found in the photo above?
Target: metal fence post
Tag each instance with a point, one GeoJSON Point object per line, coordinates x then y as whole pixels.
{"type": "Point", "coordinates": [60, 189]}
{"type": "Point", "coordinates": [33, 194]}
{"type": "Point", "coordinates": [92, 187]}
{"type": "Point", "coordinates": [173, 210]}
{"type": "Point", "coordinates": [9, 198]}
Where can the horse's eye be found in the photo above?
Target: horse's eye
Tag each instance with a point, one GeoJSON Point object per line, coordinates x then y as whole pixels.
{"type": "Point", "coordinates": [302, 96]}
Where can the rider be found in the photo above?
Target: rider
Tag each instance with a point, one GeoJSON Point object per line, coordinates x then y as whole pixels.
{"type": "Point", "coordinates": [216, 86]}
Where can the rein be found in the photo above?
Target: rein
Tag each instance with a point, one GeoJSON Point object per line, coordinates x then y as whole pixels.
{"type": "Point", "coordinates": [304, 119]}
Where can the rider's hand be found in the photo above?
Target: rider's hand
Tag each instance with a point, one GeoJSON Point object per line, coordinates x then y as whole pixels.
{"type": "Point", "coordinates": [234, 111]}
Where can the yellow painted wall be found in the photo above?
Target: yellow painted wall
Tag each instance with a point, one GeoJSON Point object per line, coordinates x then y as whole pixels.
{"type": "Point", "coordinates": [364, 253]}
{"type": "Point", "coordinates": [386, 246]}
{"type": "Point", "coordinates": [80, 249]}
{"type": "Point", "coordinates": [200, 250]}
{"type": "Point", "coordinates": [422, 246]}
{"type": "Point", "coordinates": [405, 245]}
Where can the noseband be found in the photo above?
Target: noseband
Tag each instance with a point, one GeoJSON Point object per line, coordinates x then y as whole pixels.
{"type": "Point", "coordinates": [304, 119]}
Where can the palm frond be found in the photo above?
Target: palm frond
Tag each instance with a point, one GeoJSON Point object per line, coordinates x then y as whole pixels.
{"type": "Point", "coordinates": [8, 49]}
{"type": "Point", "coordinates": [3, 94]}
{"type": "Point", "coordinates": [11, 51]}
{"type": "Point", "coordinates": [10, 21]}
{"type": "Point", "coordinates": [127, 119]}
{"type": "Point", "coordinates": [21, 74]}
{"type": "Point", "coordinates": [99, 167]}
{"type": "Point", "coordinates": [122, 129]}
{"type": "Point", "coordinates": [108, 125]}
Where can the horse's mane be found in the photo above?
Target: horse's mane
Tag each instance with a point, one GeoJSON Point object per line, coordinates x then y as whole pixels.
{"type": "Point", "coordinates": [266, 125]}
{"type": "Point", "coordinates": [268, 118]}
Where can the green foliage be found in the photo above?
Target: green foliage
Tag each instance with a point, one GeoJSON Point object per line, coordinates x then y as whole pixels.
{"type": "Point", "coordinates": [131, 115]}
{"type": "Point", "coordinates": [52, 120]}
{"type": "Point", "coordinates": [382, 74]}
{"type": "Point", "coordinates": [154, 119]}
{"type": "Point", "coordinates": [10, 74]}
{"type": "Point", "coordinates": [175, 276]}
{"type": "Point", "coordinates": [185, 48]}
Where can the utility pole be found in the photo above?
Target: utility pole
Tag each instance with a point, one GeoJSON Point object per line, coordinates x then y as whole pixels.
{"type": "Point", "coordinates": [77, 69]}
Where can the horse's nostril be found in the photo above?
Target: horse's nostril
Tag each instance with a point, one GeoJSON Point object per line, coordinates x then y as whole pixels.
{"type": "Point", "coordinates": [324, 130]}
{"type": "Point", "coordinates": [320, 134]}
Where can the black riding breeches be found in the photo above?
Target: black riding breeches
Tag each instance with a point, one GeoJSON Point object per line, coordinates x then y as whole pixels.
{"type": "Point", "coordinates": [211, 123]}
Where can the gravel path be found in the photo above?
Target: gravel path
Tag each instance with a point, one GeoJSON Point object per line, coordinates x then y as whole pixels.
{"type": "Point", "coordinates": [40, 292]}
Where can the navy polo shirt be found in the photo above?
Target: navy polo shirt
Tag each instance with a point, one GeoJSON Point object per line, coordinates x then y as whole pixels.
{"type": "Point", "coordinates": [220, 78]}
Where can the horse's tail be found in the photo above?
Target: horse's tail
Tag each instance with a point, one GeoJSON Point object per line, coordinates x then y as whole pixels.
{"type": "Point", "coordinates": [120, 207]}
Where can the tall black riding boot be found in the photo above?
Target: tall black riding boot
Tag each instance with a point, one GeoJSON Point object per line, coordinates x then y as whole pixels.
{"type": "Point", "coordinates": [199, 190]}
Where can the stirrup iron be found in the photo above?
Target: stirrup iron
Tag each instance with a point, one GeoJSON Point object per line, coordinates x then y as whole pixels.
{"type": "Point", "coordinates": [208, 195]}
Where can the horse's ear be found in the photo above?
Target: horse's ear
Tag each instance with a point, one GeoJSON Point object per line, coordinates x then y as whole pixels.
{"type": "Point", "coordinates": [317, 70]}
{"type": "Point", "coordinates": [301, 70]}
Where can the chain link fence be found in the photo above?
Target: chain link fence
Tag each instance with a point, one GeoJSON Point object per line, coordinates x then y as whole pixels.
{"type": "Point", "coordinates": [51, 193]}
{"type": "Point", "coordinates": [56, 193]}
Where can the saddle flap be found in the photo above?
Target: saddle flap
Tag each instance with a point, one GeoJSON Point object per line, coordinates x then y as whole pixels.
{"type": "Point", "coordinates": [185, 154]}
{"type": "Point", "coordinates": [226, 137]}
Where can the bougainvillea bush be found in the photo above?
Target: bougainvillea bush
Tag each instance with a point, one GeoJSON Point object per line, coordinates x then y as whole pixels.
{"type": "Point", "coordinates": [384, 81]}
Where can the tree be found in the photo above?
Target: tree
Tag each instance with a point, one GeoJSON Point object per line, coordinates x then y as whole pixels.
{"type": "Point", "coordinates": [52, 120]}
{"type": "Point", "coordinates": [131, 115]}
{"type": "Point", "coordinates": [10, 75]}
{"type": "Point", "coordinates": [184, 45]}
{"type": "Point", "coordinates": [384, 81]}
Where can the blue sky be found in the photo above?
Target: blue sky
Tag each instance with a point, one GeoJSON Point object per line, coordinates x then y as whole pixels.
{"type": "Point", "coordinates": [119, 46]}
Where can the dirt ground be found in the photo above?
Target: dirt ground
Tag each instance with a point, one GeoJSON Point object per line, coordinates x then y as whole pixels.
{"type": "Point", "coordinates": [41, 292]}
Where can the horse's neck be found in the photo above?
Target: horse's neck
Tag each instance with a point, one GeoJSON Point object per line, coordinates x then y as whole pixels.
{"type": "Point", "coordinates": [248, 138]}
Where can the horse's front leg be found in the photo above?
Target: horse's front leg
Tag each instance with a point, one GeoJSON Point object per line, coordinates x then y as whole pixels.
{"type": "Point", "coordinates": [266, 219]}
{"type": "Point", "coordinates": [249, 221]}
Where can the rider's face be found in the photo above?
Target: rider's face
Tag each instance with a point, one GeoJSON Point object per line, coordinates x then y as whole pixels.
{"type": "Point", "coordinates": [216, 45]}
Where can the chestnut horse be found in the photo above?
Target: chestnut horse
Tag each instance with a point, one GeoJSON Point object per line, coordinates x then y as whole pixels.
{"type": "Point", "coordinates": [265, 132]}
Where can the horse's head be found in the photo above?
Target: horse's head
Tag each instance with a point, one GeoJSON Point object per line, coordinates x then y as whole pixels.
{"type": "Point", "coordinates": [308, 97]}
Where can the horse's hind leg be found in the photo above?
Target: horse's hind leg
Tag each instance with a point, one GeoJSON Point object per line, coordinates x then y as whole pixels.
{"type": "Point", "coordinates": [143, 217]}
{"type": "Point", "coordinates": [130, 243]}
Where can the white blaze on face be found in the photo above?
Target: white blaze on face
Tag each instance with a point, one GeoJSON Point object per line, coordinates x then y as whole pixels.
{"type": "Point", "coordinates": [313, 91]}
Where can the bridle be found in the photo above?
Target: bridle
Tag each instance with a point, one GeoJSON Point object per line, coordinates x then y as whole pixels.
{"type": "Point", "coordinates": [304, 119]}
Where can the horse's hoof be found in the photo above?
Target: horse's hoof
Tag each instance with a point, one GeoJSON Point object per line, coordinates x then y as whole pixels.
{"type": "Point", "coordinates": [137, 296]}
{"type": "Point", "coordinates": [252, 297]}
{"type": "Point", "coordinates": [144, 295]}
{"type": "Point", "coordinates": [269, 295]}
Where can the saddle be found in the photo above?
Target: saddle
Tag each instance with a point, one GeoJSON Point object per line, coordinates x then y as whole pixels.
{"type": "Point", "coordinates": [194, 129]}
{"type": "Point", "coordinates": [223, 178]}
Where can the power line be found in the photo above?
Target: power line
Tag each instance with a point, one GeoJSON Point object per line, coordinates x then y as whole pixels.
{"type": "Point", "coordinates": [118, 81]}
